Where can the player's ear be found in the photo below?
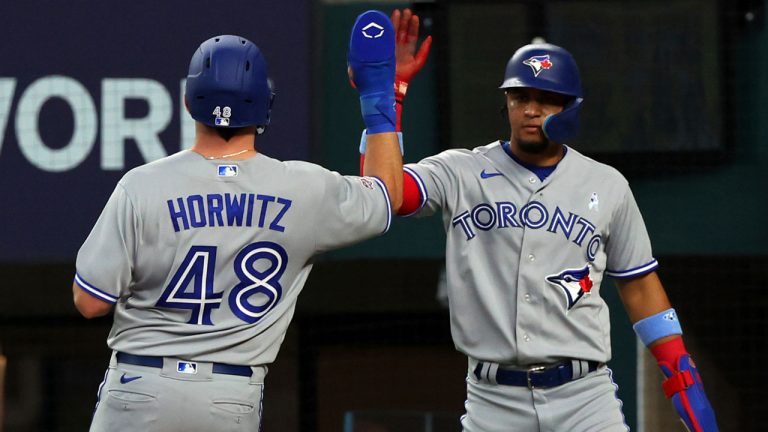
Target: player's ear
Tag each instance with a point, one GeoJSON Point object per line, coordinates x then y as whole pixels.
{"type": "Point", "coordinates": [186, 104]}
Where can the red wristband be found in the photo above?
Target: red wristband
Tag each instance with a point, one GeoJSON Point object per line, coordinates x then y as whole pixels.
{"type": "Point", "coordinates": [400, 88]}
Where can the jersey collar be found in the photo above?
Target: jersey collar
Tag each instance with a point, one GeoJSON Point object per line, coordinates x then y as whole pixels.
{"type": "Point", "coordinates": [541, 172]}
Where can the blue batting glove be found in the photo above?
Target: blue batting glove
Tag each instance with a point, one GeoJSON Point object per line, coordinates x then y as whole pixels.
{"type": "Point", "coordinates": [372, 61]}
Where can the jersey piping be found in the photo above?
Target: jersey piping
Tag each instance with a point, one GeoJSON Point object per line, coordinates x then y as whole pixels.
{"type": "Point", "coordinates": [423, 194]}
{"type": "Point", "coordinates": [92, 290]}
{"type": "Point", "coordinates": [634, 272]}
{"type": "Point", "coordinates": [384, 190]}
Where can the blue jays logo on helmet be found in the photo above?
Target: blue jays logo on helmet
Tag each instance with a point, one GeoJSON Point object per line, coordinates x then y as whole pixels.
{"type": "Point", "coordinates": [574, 283]}
{"type": "Point", "coordinates": [538, 63]}
{"type": "Point", "coordinates": [562, 77]}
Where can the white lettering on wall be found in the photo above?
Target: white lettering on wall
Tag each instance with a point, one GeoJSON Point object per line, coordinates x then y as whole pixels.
{"type": "Point", "coordinates": [116, 128]}
{"type": "Point", "coordinates": [7, 87]}
{"type": "Point", "coordinates": [28, 117]}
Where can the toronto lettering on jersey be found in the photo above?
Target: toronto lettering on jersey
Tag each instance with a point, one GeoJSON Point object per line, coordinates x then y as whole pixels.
{"type": "Point", "coordinates": [534, 215]}
{"type": "Point", "coordinates": [212, 210]}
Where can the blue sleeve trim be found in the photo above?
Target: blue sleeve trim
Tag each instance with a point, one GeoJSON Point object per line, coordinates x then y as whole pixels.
{"type": "Point", "coordinates": [364, 142]}
{"type": "Point", "coordinates": [389, 203]}
{"type": "Point", "coordinates": [634, 272]}
{"type": "Point", "coordinates": [655, 327]}
{"type": "Point", "coordinates": [422, 190]}
{"type": "Point", "coordinates": [92, 290]}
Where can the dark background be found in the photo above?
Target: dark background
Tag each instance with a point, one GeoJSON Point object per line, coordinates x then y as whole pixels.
{"type": "Point", "coordinates": [370, 342]}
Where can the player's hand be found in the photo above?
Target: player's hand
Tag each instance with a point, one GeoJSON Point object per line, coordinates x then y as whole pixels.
{"type": "Point", "coordinates": [371, 68]}
{"type": "Point", "coordinates": [409, 61]}
{"type": "Point", "coordinates": [683, 385]}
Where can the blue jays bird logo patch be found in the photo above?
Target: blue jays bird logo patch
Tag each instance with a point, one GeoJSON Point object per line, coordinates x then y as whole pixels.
{"type": "Point", "coordinates": [538, 63]}
{"type": "Point", "coordinates": [574, 282]}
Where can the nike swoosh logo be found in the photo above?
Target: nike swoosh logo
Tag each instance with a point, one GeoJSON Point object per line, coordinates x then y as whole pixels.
{"type": "Point", "coordinates": [486, 175]}
{"type": "Point", "coordinates": [125, 380]}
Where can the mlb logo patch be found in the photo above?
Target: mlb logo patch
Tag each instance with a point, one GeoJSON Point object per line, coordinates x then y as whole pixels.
{"type": "Point", "coordinates": [186, 367]}
{"type": "Point", "coordinates": [221, 121]}
{"type": "Point", "coordinates": [228, 170]}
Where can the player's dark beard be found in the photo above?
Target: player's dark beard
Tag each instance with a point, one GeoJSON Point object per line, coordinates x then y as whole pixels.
{"type": "Point", "coordinates": [533, 147]}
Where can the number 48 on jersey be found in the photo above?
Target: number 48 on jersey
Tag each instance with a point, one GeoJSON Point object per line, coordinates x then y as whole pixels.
{"type": "Point", "coordinates": [258, 267]}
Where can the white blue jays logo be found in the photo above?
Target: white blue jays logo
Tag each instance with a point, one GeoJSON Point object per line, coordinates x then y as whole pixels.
{"type": "Point", "coordinates": [574, 282]}
{"type": "Point", "coordinates": [538, 63]}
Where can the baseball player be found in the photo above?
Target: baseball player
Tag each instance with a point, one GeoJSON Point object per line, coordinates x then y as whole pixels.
{"type": "Point", "coordinates": [202, 254]}
{"type": "Point", "coordinates": [532, 228]}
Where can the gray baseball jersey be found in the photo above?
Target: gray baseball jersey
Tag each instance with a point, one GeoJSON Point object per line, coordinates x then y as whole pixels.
{"type": "Point", "coordinates": [204, 259]}
{"type": "Point", "coordinates": [525, 258]}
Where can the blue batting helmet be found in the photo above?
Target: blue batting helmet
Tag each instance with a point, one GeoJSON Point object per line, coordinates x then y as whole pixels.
{"type": "Point", "coordinates": [227, 84]}
{"type": "Point", "coordinates": [551, 68]}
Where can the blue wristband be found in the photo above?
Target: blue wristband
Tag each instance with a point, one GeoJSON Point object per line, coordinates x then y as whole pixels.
{"type": "Point", "coordinates": [364, 141]}
{"type": "Point", "coordinates": [378, 111]}
{"type": "Point", "coordinates": [654, 327]}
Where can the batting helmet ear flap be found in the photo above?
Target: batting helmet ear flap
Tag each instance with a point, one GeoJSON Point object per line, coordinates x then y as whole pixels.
{"type": "Point", "coordinates": [260, 129]}
{"type": "Point", "coordinates": [564, 125]}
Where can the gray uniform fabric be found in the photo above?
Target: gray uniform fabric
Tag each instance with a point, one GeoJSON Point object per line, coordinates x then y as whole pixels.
{"type": "Point", "coordinates": [138, 398]}
{"type": "Point", "coordinates": [525, 258]}
{"type": "Point", "coordinates": [204, 260]}
{"type": "Point", "coordinates": [172, 233]}
{"type": "Point", "coordinates": [510, 238]}
{"type": "Point", "coordinates": [499, 408]}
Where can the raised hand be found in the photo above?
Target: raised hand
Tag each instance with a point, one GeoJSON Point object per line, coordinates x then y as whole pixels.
{"type": "Point", "coordinates": [371, 66]}
{"type": "Point", "coordinates": [409, 61]}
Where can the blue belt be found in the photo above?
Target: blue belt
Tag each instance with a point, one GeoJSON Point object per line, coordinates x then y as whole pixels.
{"type": "Point", "coordinates": [538, 376]}
{"type": "Point", "coordinates": [157, 362]}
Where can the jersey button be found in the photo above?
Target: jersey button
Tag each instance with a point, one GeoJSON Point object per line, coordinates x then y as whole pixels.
{"type": "Point", "coordinates": [532, 179]}
{"type": "Point", "coordinates": [527, 298]}
{"type": "Point", "coordinates": [532, 257]}
{"type": "Point", "coordinates": [526, 337]}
